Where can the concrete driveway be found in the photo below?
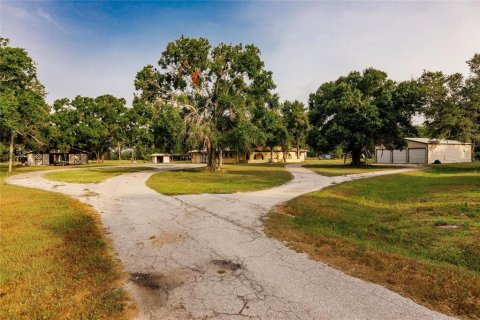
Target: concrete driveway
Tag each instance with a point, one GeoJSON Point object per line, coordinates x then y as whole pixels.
{"type": "Point", "coordinates": [206, 256]}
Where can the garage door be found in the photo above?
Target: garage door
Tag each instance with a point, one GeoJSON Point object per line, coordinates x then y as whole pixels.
{"type": "Point", "coordinates": [417, 155]}
{"type": "Point", "coordinates": [384, 156]}
{"type": "Point", "coordinates": [399, 156]}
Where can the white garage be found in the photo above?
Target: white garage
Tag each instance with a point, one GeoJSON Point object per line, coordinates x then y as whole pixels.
{"type": "Point", "coordinates": [425, 150]}
{"type": "Point", "coordinates": [383, 156]}
{"type": "Point", "coordinates": [399, 156]}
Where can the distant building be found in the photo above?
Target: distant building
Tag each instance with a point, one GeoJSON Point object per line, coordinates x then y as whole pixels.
{"type": "Point", "coordinates": [56, 157]}
{"type": "Point", "coordinates": [259, 155]}
{"type": "Point", "coordinates": [160, 158]}
{"type": "Point", "coordinates": [425, 150]}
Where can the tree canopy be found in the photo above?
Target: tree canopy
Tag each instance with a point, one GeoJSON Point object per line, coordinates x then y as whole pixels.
{"type": "Point", "coordinates": [221, 97]}
{"type": "Point", "coordinates": [95, 124]}
{"type": "Point", "coordinates": [24, 112]}
{"type": "Point", "coordinates": [296, 122]}
{"type": "Point", "coordinates": [217, 89]}
{"type": "Point", "coordinates": [361, 110]}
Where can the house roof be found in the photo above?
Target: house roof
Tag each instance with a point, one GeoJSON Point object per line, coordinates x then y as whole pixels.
{"type": "Point", "coordinates": [434, 141]}
{"type": "Point", "coordinates": [53, 151]}
{"type": "Point", "coordinates": [160, 154]}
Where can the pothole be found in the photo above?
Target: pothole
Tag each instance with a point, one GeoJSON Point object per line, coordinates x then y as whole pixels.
{"type": "Point", "coordinates": [145, 280]}
{"type": "Point", "coordinates": [157, 281]}
{"type": "Point", "coordinates": [224, 266]}
{"type": "Point", "coordinates": [90, 194]}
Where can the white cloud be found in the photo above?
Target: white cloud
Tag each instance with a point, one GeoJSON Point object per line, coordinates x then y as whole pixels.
{"type": "Point", "coordinates": [303, 43]}
{"type": "Point", "coordinates": [319, 42]}
{"type": "Point", "coordinates": [45, 15]}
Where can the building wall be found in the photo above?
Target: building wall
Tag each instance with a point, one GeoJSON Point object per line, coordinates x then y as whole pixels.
{"type": "Point", "coordinates": [198, 157]}
{"type": "Point", "coordinates": [255, 157]}
{"type": "Point", "coordinates": [278, 156]}
{"type": "Point", "coordinates": [38, 159]}
{"type": "Point", "coordinates": [80, 158]}
{"type": "Point", "coordinates": [446, 153]}
{"type": "Point", "coordinates": [231, 157]}
{"type": "Point", "coordinates": [449, 153]}
{"type": "Point", "coordinates": [413, 144]}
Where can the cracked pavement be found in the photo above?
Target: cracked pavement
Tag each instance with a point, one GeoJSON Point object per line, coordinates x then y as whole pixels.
{"type": "Point", "coordinates": [206, 256]}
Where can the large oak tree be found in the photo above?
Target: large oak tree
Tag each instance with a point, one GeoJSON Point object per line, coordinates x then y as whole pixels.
{"type": "Point", "coordinates": [94, 124]}
{"type": "Point", "coordinates": [23, 109]}
{"type": "Point", "coordinates": [361, 110]}
{"type": "Point", "coordinates": [215, 88]}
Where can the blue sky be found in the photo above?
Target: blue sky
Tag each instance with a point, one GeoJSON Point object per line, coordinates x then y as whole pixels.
{"type": "Point", "coordinates": [92, 48]}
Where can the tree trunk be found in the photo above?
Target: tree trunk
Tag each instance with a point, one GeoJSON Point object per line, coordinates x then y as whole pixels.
{"type": "Point", "coordinates": [133, 154]}
{"type": "Point", "coordinates": [97, 155]}
{"type": "Point", "coordinates": [220, 159]}
{"type": "Point", "coordinates": [119, 151]}
{"type": "Point", "coordinates": [238, 156]}
{"type": "Point", "coordinates": [271, 155]}
{"type": "Point", "coordinates": [298, 151]}
{"type": "Point", "coordinates": [10, 156]}
{"type": "Point", "coordinates": [356, 155]}
{"type": "Point", "coordinates": [212, 160]}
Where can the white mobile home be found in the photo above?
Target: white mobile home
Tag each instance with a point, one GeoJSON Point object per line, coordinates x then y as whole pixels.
{"type": "Point", "coordinates": [425, 150]}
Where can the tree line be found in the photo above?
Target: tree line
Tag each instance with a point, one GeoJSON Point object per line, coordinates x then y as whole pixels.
{"type": "Point", "coordinates": [215, 98]}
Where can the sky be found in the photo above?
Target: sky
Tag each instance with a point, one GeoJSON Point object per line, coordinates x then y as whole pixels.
{"type": "Point", "coordinates": [92, 48]}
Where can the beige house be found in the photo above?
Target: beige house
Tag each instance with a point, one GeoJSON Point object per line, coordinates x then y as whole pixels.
{"type": "Point", "coordinates": [261, 155]}
{"type": "Point", "coordinates": [425, 150]}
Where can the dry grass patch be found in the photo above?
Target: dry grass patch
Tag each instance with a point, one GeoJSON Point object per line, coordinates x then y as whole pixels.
{"type": "Point", "coordinates": [54, 262]}
{"type": "Point", "coordinates": [416, 233]}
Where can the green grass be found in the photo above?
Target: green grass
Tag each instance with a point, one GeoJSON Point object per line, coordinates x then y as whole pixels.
{"type": "Point", "coordinates": [417, 233]}
{"type": "Point", "coordinates": [92, 175]}
{"type": "Point", "coordinates": [332, 168]}
{"type": "Point", "coordinates": [233, 178]}
{"type": "Point", "coordinates": [54, 260]}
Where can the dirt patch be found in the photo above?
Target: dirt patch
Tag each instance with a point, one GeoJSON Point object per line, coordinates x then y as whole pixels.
{"type": "Point", "coordinates": [224, 266]}
{"type": "Point", "coordinates": [153, 289]}
{"type": "Point", "coordinates": [90, 194]}
{"type": "Point", "coordinates": [158, 281]}
{"type": "Point", "coordinates": [449, 226]}
{"type": "Point", "coordinates": [167, 238]}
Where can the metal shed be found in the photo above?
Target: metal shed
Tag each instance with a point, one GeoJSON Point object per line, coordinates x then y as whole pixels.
{"type": "Point", "coordinates": [425, 150]}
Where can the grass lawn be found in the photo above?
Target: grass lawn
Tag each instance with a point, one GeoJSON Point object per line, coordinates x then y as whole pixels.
{"type": "Point", "coordinates": [91, 175]}
{"type": "Point", "coordinates": [54, 260]}
{"type": "Point", "coordinates": [417, 233]}
{"type": "Point", "coordinates": [332, 168]}
{"type": "Point", "coordinates": [233, 178]}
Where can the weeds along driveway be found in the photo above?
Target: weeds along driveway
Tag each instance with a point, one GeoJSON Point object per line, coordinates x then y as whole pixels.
{"type": "Point", "coordinates": [206, 256]}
